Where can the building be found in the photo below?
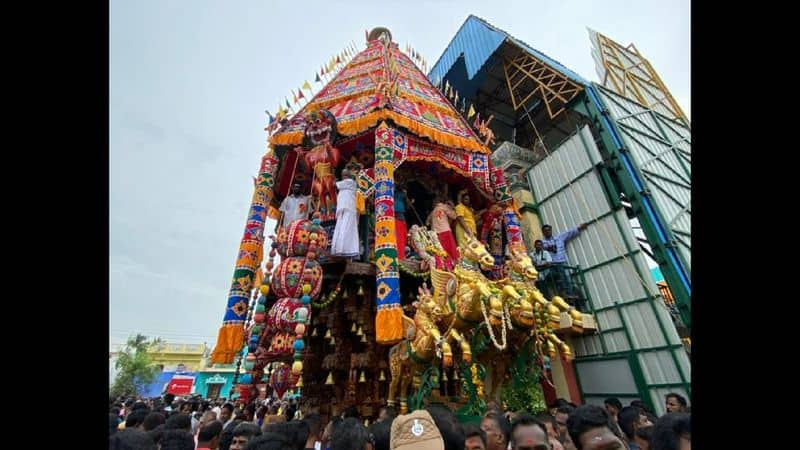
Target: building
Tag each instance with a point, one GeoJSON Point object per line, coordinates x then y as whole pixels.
{"type": "Point", "coordinates": [180, 357]}
{"type": "Point", "coordinates": [572, 151]}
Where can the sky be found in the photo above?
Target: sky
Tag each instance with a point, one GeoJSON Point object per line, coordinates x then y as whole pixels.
{"type": "Point", "coordinates": [189, 83]}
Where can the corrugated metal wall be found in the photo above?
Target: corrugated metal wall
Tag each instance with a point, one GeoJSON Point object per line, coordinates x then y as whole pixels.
{"type": "Point", "coordinates": [661, 148]}
{"type": "Point", "coordinates": [631, 342]}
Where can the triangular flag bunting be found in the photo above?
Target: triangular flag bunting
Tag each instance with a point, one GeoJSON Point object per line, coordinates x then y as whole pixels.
{"type": "Point", "coordinates": [306, 85]}
{"type": "Point", "coordinates": [317, 79]}
{"type": "Point", "coordinates": [471, 112]}
{"type": "Point", "coordinates": [294, 97]}
{"type": "Point", "coordinates": [300, 94]}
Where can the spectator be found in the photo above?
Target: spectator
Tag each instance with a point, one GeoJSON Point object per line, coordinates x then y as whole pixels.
{"type": "Point", "coordinates": [551, 426]}
{"type": "Point", "coordinates": [152, 420]}
{"type": "Point", "coordinates": [314, 423]}
{"type": "Point", "coordinates": [380, 432]}
{"type": "Point", "coordinates": [591, 428]}
{"type": "Point", "coordinates": [208, 437]}
{"type": "Point", "coordinates": [176, 440]}
{"type": "Point", "coordinates": [673, 431]}
{"type": "Point", "coordinates": [675, 403]}
{"type": "Point", "coordinates": [497, 429]}
{"type": "Point", "coordinates": [557, 246]}
{"type": "Point", "coordinates": [130, 439]}
{"type": "Point", "coordinates": [475, 438]}
{"type": "Point", "coordinates": [528, 433]}
{"type": "Point", "coordinates": [449, 427]}
{"type": "Point", "coordinates": [350, 434]}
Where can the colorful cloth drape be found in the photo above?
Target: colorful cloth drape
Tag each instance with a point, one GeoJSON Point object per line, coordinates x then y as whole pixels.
{"type": "Point", "coordinates": [231, 334]}
{"type": "Point", "coordinates": [389, 318]}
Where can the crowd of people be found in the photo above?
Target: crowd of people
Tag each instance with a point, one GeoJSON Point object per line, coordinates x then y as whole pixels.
{"type": "Point", "coordinates": [194, 424]}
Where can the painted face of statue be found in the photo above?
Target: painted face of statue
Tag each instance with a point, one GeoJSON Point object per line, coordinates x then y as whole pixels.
{"type": "Point", "coordinates": [320, 128]}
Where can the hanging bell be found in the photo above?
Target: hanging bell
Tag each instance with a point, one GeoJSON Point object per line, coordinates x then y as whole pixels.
{"type": "Point", "coordinates": [345, 294]}
{"type": "Point", "coordinates": [333, 341]}
{"type": "Point", "coordinates": [360, 332]}
{"type": "Point", "coordinates": [314, 333]}
{"type": "Point", "coordinates": [455, 375]}
{"type": "Point", "coordinates": [360, 292]}
{"type": "Point", "coordinates": [353, 328]}
{"type": "Point", "coordinates": [366, 422]}
{"type": "Point", "coordinates": [329, 380]}
{"type": "Point", "coordinates": [363, 338]}
{"type": "Point", "coordinates": [299, 382]}
{"type": "Point", "coordinates": [382, 377]}
{"type": "Point", "coordinates": [362, 378]}
{"type": "Point", "coordinates": [444, 376]}
{"type": "Point", "coordinates": [328, 334]}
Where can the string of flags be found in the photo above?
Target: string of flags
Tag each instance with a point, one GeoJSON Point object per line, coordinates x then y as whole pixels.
{"type": "Point", "coordinates": [417, 57]}
{"type": "Point", "coordinates": [325, 74]}
{"type": "Point", "coordinates": [451, 94]}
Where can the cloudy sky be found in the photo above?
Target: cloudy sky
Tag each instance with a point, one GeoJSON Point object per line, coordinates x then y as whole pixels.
{"type": "Point", "coordinates": [190, 81]}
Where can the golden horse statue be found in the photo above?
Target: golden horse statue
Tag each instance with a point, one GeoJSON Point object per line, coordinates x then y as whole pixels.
{"type": "Point", "coordinates": [471, 296]}
{"type": "Point", "coordinates": [423, 342]}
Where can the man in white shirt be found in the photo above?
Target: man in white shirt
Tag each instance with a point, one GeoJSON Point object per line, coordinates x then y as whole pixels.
{"type": "Point", "coordinates": [541, 259]}
{"type": "Point", "coordinates": [295, 206]}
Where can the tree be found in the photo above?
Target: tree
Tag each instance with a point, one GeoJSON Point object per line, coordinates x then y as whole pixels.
{"type": "Point", "coordinates": [135, 368]}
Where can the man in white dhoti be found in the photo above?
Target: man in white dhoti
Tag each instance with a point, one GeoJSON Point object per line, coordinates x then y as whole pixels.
{"type": "Point", "coordinates": [345, 234]}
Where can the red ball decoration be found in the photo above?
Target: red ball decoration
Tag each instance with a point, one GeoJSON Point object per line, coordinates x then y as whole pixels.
{"type": "Point", "coordinates": [290, 275]}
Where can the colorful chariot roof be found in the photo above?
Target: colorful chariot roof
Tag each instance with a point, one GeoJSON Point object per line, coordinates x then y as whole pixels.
{"type": "Point", "coordinates": [381, 82]}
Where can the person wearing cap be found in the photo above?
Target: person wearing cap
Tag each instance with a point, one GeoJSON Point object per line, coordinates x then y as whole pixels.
{"type": "Point", "coordinates": [415, 431]}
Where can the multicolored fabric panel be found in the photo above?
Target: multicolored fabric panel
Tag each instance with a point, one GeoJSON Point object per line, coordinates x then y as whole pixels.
{"type": "Point", "coordinates": [476, 166]}
{"type": "Point", "coordinates": [231, 334]}
{"type": "Point", "coordinates": [502, 192]}
{"type": "Point", "coordinates": [389, 318]}
{"type": "Point", "coordinates": [514, 230]}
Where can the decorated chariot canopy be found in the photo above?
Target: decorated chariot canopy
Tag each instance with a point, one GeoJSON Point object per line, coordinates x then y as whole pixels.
{"type": "Point", "coordinates": [381, 84]}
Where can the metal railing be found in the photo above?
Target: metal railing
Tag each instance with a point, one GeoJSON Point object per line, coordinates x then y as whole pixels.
{"type": "Point", "coordinates": [564, 281]}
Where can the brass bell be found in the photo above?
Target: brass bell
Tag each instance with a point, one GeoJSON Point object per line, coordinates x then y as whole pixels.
{"type": "Point", "coordinates": [299, 382]}
{"type": "Point", "coordinates": [366, 422]}
{"type": "Point", "coordinates": [382, 377]}
{"type": "Point", "coordinates": [362, 378]}
{"type": "Point", "coordinates": [329, 380]}
{"type": "Point", "coordinates": [314, 333]}
{"type": "Point", "coordinates": [360, 292]}
{"type": "Point", "coordinates": [444, 377]}
{"type": "Point", "coordinates": [360, 332]}
{"type": "Point", "coordinates": [333, 342]}
{"type": "Point", "coordinates": [455, 375]}
{"type": "Point", "coordinates": [328, 334]}
{"type": "Point", "coordinates": [363, 338]}
{"type": "Point", "coordinates": [353, 328]}
{"type": "Point", "coordinates": [345, 294]}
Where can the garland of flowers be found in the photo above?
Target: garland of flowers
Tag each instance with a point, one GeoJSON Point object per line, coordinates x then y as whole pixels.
{"type": "Point", "coordinates": [491, 331]}
{"type": "Point", "coordinates": [410, 272]}
{"type": "Point", "coordinates": [334, 295]}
